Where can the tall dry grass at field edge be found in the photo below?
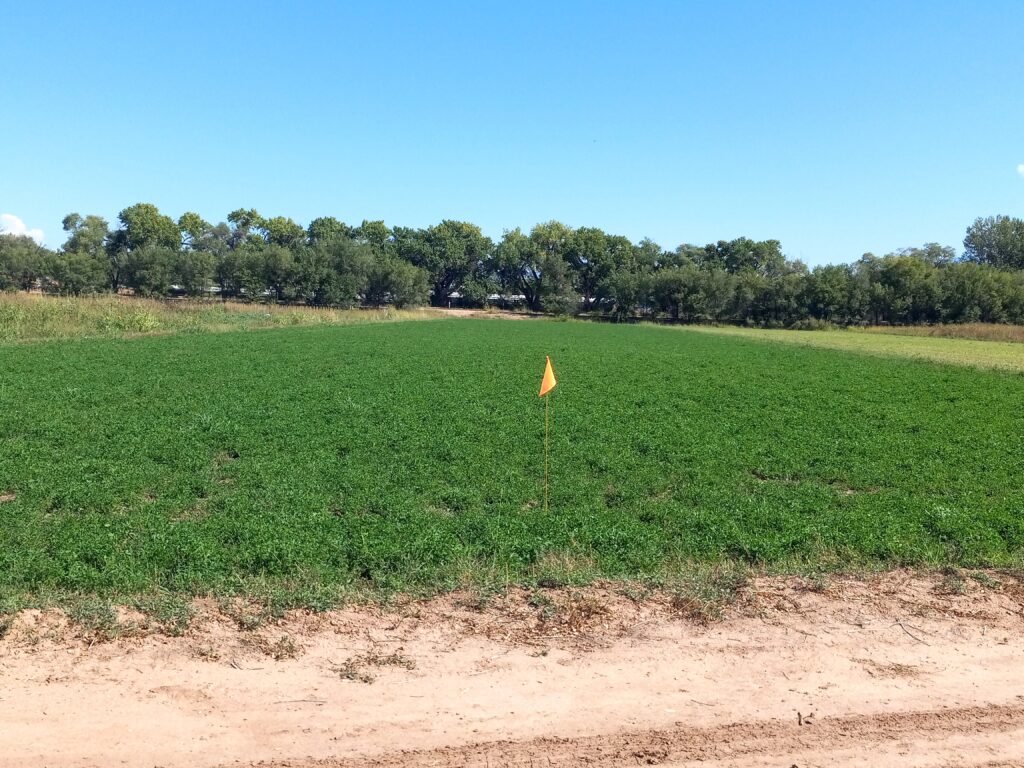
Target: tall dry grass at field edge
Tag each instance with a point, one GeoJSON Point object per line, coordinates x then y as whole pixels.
{"type": "Point", "coordinates": [32, 317]}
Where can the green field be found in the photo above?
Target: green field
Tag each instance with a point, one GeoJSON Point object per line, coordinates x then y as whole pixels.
{"type": "Point", "coordinates": [407, 456]}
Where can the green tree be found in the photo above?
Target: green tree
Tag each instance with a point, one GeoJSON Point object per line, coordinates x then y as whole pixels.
{"type": "Point", "coordinates": [996, 240]}
{"type": "Point", "coordinates": [743, 255]}
{"type": "Point", "coordinates": [552, 238]}
{"type": "Point", "coordinates": [556, 293]}
{"type": "Point", "coordinates": [533, 267]}
{"type": "Point", "coordinates": [676, 292]}
{"type": "Point", "coordinates": [396, 281]}
{"type": "Point", "coordinates": [715, 290]}
{"type": "Point", "coordinates": [910, 290]}
{"type": "Point", "coordinates": [87, 239]}
{"type": "Point", "coordinates": [515, 263]}
{"type": "Point", "coordinates": [193, 228]}
{"type": "Point", "coordinates": [277, 269]}
{"type": "Point", "coordinates": [284, 232]}
{"type": "Point", "coordinates": [76, 272]}
{"type": "Point", "coordinates": [327, 228]}
{"type": "Point", "coordinates": [1010, 286]}
{"type": "Point", "coordinates": [247, 228]}
{"type": "Point", "coordinates": [970, 293]}
{"type": "Point", "coordinates": [378, 236]}
{"type": "Point", "coordinates": [314, 272]}
{"type": "Point", "coordinates": [930, 253]}
{"type": "Point", "coordinates": [628, 292]}
{"type": "Point", "coordinates": [828, 292]}
{"type": "Point", "coordinates": [22, 261]}
{"type": "Point", "coordinates": [682, 256]}
{"type": "Point", "coordinates": [449, 252]}
{"type": "Point", "coordinates": [148, 269]}
{"type": "Point", "coordinates": [142, 227]}
{"type": "Point", "coordinates": [648, 255]}
{"type": "Point", "coordinates": [749, 297]}
{"type": "Point", "coordinates": [192, 270]}
{"type": "Point", "coordinates": [142, 224]}
{"type": "Point", "coordinates": [86, 235]}
{"type": "Point", "coordinates": [787, 295]}
{"type": "Point", "coordinates": [333, 272]}
{"type": "Point", "coordinates": [587, 254]}
{"type": "Point", "coordinates": [234, 270]}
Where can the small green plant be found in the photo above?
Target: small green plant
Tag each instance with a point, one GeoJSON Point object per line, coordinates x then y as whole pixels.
{"type": "Point", "coordinates": [354, 668]}
{"type": "Point", "coordinates": [952, 583]}
{"type": "Point", "coordinates": [702, 595]}
{"type": "Point", "coordinates": [172, 613]}
{"type": "Point", "coordinates": [283, 648]}
{"type": "Point", "coordinates": [560, 569]}
{"type": "Point", "coordinates": [396, 659]}
{"type": "Point", "coordinates": [544, 605]}
{"type": "Point", "coordinates": [817, 581]}
{"type": "Point", "coordinates": [476, 600]}
{"type": "Point", "coordinates": [638, 592]}
{"type": "Point", "coordinates": [579, 611]}
{"type": "Point", "coordinates": [97, 618]}
{"type": "Point", "coordinates": [350, 670]}
{"type": "Point", "coordinates": [248, 615]}
{"type": "Point", "coordinates": [985, 580]}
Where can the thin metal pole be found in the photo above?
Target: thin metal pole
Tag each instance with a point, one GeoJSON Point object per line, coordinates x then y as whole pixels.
{"type": "Point", "coordinates": [546, 452]}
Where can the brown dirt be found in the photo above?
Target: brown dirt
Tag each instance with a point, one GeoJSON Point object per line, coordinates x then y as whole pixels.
{"type": "Point", "coordinates": [489, 313]}
{"type": "Point", "coordinates": [889, 670]}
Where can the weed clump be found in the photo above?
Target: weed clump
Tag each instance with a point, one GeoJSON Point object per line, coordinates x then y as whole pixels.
{"type": "Point", "coordinates": [171, 613]}
{"type": "Point", "coordinates": [952, 583]}
{"type": "Point", "coordinates": [355, 667]}
{"type": "Point", "coordinates": [704, 595]}
{"type": "Point", "coordinates": [98, 619]}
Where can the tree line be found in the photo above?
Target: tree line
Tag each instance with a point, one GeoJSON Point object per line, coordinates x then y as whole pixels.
{"type": "Point", "coordinates": [552, 268]}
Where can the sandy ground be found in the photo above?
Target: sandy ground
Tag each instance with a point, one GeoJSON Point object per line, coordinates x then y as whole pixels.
{"type": "Point", "coordinates": [887, 671]}
{"type": "Point", "coordinates": [484, 313]}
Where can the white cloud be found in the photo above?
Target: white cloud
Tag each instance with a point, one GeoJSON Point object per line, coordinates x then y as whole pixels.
{"type": "Point", "coordinates": [12, 225]}
{"type": "Point", "coordinates": [1020, 169]}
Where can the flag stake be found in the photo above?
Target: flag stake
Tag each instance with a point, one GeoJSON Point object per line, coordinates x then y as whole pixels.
{"type": "Point", "coordinates": [546, 385]}
{"type": "Point", "coordinates": [545, 453]}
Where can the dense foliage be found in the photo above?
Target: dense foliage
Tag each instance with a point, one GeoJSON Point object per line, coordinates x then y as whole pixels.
{"type": "Point", "coordinates": [408, 456]}
{"type": "Point", "coordinates": [553, 268]}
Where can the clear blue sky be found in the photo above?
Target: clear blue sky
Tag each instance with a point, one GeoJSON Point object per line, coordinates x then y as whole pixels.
{"type": "Point", "coordinates": [835, 129]}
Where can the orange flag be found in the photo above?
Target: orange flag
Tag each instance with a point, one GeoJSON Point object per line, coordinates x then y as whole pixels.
{"type": "Point", "coordinates": [548, 382]}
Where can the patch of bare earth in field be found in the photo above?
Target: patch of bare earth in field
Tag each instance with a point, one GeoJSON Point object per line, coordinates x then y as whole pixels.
{"type": "Point", "coordinates": [897, 669]}
{"type": "Point", "coordinates": [485, 313]}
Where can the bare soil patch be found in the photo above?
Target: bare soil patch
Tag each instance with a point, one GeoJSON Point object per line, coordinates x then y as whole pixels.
{"type": "Point", "coordinates": [489, 313]}
{"type": "Point", "coordinates": [806, 672]}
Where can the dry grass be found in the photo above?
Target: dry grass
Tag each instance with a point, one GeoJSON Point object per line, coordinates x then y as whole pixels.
{"type": "Point", "coordinates": [281, 649]}
{"type": "Point", "coordinates": [703, 595]}
{"type": "Point", "coordinates": [940, 344]}
{"type": "Point", "coordinates": [32, 317]}
{"type": "Point", "coordinates": [978, 331]}
{"type": "Point", "coordinates": [355, 667]}
{"type": "Point", "coordinates": [888, 669]}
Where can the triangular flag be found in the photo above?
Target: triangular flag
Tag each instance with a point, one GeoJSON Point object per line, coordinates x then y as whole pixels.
{"type": "Point", "coordinates": [548, 382]}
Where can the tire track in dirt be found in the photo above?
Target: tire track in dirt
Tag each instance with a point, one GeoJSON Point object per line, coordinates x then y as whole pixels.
{"type": "Point", "coordinates": [737, 741]}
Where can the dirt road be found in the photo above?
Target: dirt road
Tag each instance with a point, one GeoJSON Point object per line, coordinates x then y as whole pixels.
{"type": "Point", "coordinates": [890, 671]}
